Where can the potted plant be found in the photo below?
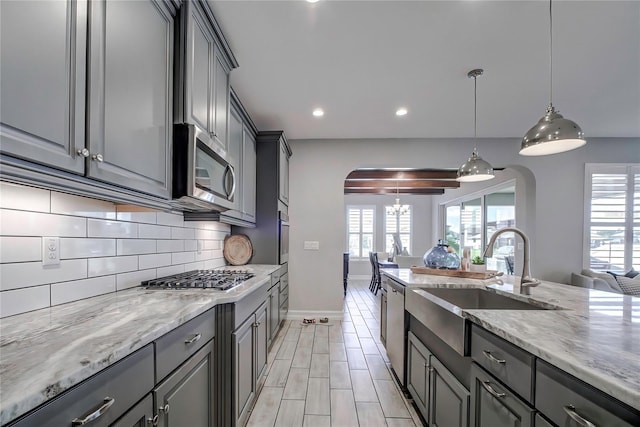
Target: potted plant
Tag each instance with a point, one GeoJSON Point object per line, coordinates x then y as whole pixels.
{"type": "Point", "coordinates": [477, 264]}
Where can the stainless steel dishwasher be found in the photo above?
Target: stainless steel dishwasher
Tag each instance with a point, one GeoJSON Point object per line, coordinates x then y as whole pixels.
{"type": "Point", "coordinates": [395, 327]}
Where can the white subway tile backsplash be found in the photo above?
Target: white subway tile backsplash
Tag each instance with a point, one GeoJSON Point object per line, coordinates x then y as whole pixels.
{"type": "Point", "coordinates": [148, 231]}
{"type": "Point", "coordinates": [20, 249]}
{"type": "Point", "coordinates": [170, 246]}
{"type": "Point", "coordinates": [23, 300]}
{"type": "Point", "coordinates": [182, 257]}
{"type": "Point", "coordinates": [139, 217]}
{"type": "Point", "coordinates": [153, 261]}
{"type": "Point", "coordinates": [214, 263]}
{"type": "Point", "coordinates": [22, 223]}
{"type": "Point", "coordinates": [112, 265]}
{"type": "Point", "coordinates": [22, 197]}
{"type": "Point", "coordinates": [211, 244]}
{"type": "Point", "coordinates": [135, 247]}
{"type": "Point", "coordinates": [210, 234]}
{"type": "Point", "coordinates": [86, 248]}
{"type": "Point", "coordinates": [114, 229]}
{"type": "Point", "coordinates": [182, 233]}
{"type": "Point", "coordinates": [130, 280]}
{"type": "Point", "coordinates": [208, 225]}
{"type": "Point", "coordinates": [168, 271]}
{"type": "Point", "coordinates": [204, 255]}
{"type": "Point", "coordinates": [25, 274]}
{"type": "Point", "coordinates": [190, 245]}
{"type": "Point", "coordinates": [198, 265]}
{"type": "Point", "coordinates": [165, 218]}
{"type": "Point", "coordinates": [68, 204]}
{"type": "Point", "coordinates": [81, 289]}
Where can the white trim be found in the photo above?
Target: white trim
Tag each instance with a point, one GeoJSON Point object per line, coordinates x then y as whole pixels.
{"type": "Point", "coordinates": [311, 314]}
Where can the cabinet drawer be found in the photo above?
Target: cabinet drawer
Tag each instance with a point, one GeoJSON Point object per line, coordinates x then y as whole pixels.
{"type": "Point", "coordinates": [284, 293]}
{"type": "Point", "coordinates": [175, 347]}
{"type": "Point", "coordinates": [510, 364]}
{"type": "Point", "coordinates": [275, 277]}
{"type": "Point", "coordinates": [565, 399]}
{"type": "Point", "coordinates": [124, 383]}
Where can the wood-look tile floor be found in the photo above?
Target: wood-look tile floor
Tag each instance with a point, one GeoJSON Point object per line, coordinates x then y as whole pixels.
{"type": "Point", "coordinates": [334, 374]}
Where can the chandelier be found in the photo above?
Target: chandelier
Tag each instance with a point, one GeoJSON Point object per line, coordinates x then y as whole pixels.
{"type": "Point", "coordinates": [397, 208]}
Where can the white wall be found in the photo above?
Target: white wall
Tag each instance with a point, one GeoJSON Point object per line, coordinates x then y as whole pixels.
{"type": "Point", "coordinates": [318, 169]}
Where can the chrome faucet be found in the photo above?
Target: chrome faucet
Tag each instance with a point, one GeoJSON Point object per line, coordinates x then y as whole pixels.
{"type": "Point", "coordinates": [526, 281]}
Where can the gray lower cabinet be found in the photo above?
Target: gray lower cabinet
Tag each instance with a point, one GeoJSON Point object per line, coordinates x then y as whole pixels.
{"type": "Point", "coordinates": [541, 422]}
{"type": "Point", "coordinates": [141, 415]}
{"type": "Point", "coordinates": [274, 311]}
{"type": "Point", "coordinates": [383, 316]}
{"type": "Point", "coordinates": [418, 358]}
{"type": "Point", "coordinates": [396, 327]}
{"type": "Point", "coordinates": [43, 63]}
{"type": "Point", "coordinates": [111, 392]}
{"type": "Point", "coordinates": [448, 400]}
{"type": "Point", "coordinates": [186, 397]}
{"type": "Point", "coordinates": [250, 361]}
{"type": "Point", "coordinates": [284, 297]}
{"type": "Point", "coordinates": [492, 404]}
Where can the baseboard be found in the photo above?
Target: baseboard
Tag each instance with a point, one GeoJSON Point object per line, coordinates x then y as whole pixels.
{"type": "Point", "coordinates": [310, 314]}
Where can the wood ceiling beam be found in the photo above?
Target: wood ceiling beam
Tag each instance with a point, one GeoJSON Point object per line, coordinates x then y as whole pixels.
{"type": "Point", "coordinates": [405, 184]}
{"type": "Point", "coordinates": [403, 174]}
{"type": "Point", "coordinates": [393, 191]}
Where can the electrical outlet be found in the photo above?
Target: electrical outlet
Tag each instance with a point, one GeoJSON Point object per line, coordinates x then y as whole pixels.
{"type": "Point", "coordinates": [50, 251]}
{"type": "Point", "coordinates": [311, 245]}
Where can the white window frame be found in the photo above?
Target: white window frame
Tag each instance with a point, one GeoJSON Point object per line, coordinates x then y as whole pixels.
{"type": "Point", "coordinates": [630, 169]}
{"type": "Point", "coordinates": [360, 207]}
{"type": "Point", "coordinates": [410, 248]}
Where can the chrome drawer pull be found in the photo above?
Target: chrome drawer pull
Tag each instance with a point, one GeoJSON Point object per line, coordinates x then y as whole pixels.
{"type": "Point", "coordinates": [487, 386]}
{"type": "Point", "coordinates": [153, 421]}
{"type": "Point", "coordinates": [571, 411]}
{"type": "Point", "coordinates": [491, 357]}
{"type": "Point", "coordinates": [108, 401]}
{"type": "Point", "coordinates": [193, 339]}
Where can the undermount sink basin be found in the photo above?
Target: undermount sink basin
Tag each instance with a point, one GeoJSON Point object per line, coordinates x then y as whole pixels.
{"type": "Point", "coordinates": [484, 300]}
{"type": "Point", "coordinates": [440, 310]}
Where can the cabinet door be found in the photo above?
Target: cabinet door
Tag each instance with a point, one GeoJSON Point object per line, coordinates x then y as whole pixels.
{"type": "Point", "coordinates": [418, 373]}
{"type": "Point", "coordinates": [261, 341]}
{"type": "Point", "coordinates": [449, 400]}
{"type": "Point", "coordinates": [222, 96]}
{"type": "Point", "coordinates": [198, 84]}
{"type": "Point", "coordinates": [244, 367]}
{"type": "Point", "coordinates": [383, 317]}
{"type": "Point", "coordinates": [186, 398]}
{"type": "Point", "coordinates": [236, 134]}
{"type": "Point", "coordinates": [395, 329]}
{"type": "Point", "coordinates": [130, 94]}
{"type": "Point", "coordinates": [283, 174]}
{"type": "Point", "coordinates": [42, 64]}
{"type": "Point", "coordinates": [140, 415]}
{"type": "Point", "coordinates": [541, 422]}
{"type": "Point", "coordinates": [274, 320]}
{"type": "Point", "coordinates": [492, 404]}
{"type": "Point", "coordinates": [248, 176]}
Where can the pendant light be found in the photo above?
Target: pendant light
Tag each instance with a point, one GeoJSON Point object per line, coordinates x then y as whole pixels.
{"type": "Point", "coordinates": [475, 169]}
{"type": "Point", "coordinates": [553, 133]}
{"type": "Point", "coordinates": [397, 208]}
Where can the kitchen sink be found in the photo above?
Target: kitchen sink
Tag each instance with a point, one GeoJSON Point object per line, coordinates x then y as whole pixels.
{"type": "Point", "coordinates": [440, 310]}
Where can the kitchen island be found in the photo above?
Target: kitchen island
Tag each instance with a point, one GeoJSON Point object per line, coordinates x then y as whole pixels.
{"type": "Point", "coordinates": [46, 352]}
{"type": "Point", "coordinates": [592, 335]}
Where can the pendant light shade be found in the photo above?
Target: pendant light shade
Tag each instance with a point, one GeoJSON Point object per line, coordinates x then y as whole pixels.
{"type": "Point", "coordinates": [475, 168]}
{"type": "Point", "coordinates": [553, 133]}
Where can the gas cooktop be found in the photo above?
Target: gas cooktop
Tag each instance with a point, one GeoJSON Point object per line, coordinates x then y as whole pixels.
{"type": "Point", "coordinates": [220, 280]}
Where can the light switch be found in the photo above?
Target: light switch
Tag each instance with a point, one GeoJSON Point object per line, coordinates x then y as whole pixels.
{"type": "Point", "coordinates": [311, 245]}
{"type": "Point", "coordinates": [50, 251]}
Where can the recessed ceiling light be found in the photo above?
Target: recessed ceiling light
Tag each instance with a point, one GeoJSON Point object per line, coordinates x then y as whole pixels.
{"type": "Point", "coordinates": [318, 112]}
{"type": "Point", "coordinates": [401, 112]}
{"type": "Point", "coordinates": [313, 1]}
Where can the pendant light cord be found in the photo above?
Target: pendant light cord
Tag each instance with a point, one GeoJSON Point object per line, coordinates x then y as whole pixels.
{"type": "Point", "coordinates": [475, 113]}
{"type": "Point", "coordinates": [550, 56]}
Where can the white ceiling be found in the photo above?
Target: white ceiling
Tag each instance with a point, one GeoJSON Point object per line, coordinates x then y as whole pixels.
{"type": "Point", "coordinates": [361, 60]}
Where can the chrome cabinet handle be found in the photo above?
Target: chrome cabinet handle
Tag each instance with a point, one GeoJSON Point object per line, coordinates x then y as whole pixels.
{"type": "Point", "coordinates": [233, 182]}
{"type": "Point", "coordinates": [153, 421]}
{"type": "Point", "coordinates": [108, 401]}
{"type": "Point", "coordinates": [491, 357]}
{"type": "Point", "coordinates": [394, 291]}
{"type": "Point", "coordinates": [571, 411]}
{"type": "Point", "coordinates": [487, 386]}
{"type": "Point", "coordinates": [97, 158]}
{"type": "Point", "coordinates": [165, 408]}
{"type": "Point", "coordinates": [193, 339]}
{"type": "Point", "coordinates": [83, 152]}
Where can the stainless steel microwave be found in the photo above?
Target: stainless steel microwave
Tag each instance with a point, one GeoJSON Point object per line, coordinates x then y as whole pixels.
{"type": "Point", "coordinates": [203, 179]}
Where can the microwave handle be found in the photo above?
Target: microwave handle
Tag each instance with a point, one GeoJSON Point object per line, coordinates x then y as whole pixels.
{"type": "Point", "coordinates": [228, 169]}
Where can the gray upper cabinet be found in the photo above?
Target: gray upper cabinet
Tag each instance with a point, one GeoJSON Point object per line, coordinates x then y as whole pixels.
{"type": "Point", "coordinates": [203, 89]}
{"type": "Point", "coordinates": [42, 63]}
{"type": "Point", "coordinates": [283, 178]}
{"type": "Point", "coordinates": [130, 94]}
{"type": "Point", "coordinates": [248, 175]}
{"type": "Point", "coordinates": [235, 155]}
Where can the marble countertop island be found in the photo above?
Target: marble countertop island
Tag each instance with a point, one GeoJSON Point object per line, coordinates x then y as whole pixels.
{"type": "Point", "coordinates": [45, 352]}
{"type": "Point", "coordinates": [595, 336]}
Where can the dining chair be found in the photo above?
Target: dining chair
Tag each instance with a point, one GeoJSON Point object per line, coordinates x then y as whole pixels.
{"type": "Point", "coordinates": [376, 273]}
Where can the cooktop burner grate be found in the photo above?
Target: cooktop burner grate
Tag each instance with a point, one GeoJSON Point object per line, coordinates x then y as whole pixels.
{"type": "Point", "coordinates": [221, 280]}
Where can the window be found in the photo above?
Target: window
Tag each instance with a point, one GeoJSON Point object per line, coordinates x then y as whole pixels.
{"type": "Point", "coordinates": [612, 218]}
{"type": "Point", "coordinates": [360, 234]}
{"type": "Point", "coordinates": [399, 224]}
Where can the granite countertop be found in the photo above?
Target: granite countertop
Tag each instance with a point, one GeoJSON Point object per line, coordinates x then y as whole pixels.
{"type": "Point", "coordinates": [47, 351]}
{"type": "Point", "coordinates": [596, 337]}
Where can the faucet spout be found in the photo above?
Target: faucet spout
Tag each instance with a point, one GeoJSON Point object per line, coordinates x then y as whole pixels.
{"type": "Point", "coordinates": [526, 281]}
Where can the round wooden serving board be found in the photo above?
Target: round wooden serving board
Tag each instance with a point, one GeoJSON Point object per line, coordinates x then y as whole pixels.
{"type": "Point", "coordinates": [237, 249]}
